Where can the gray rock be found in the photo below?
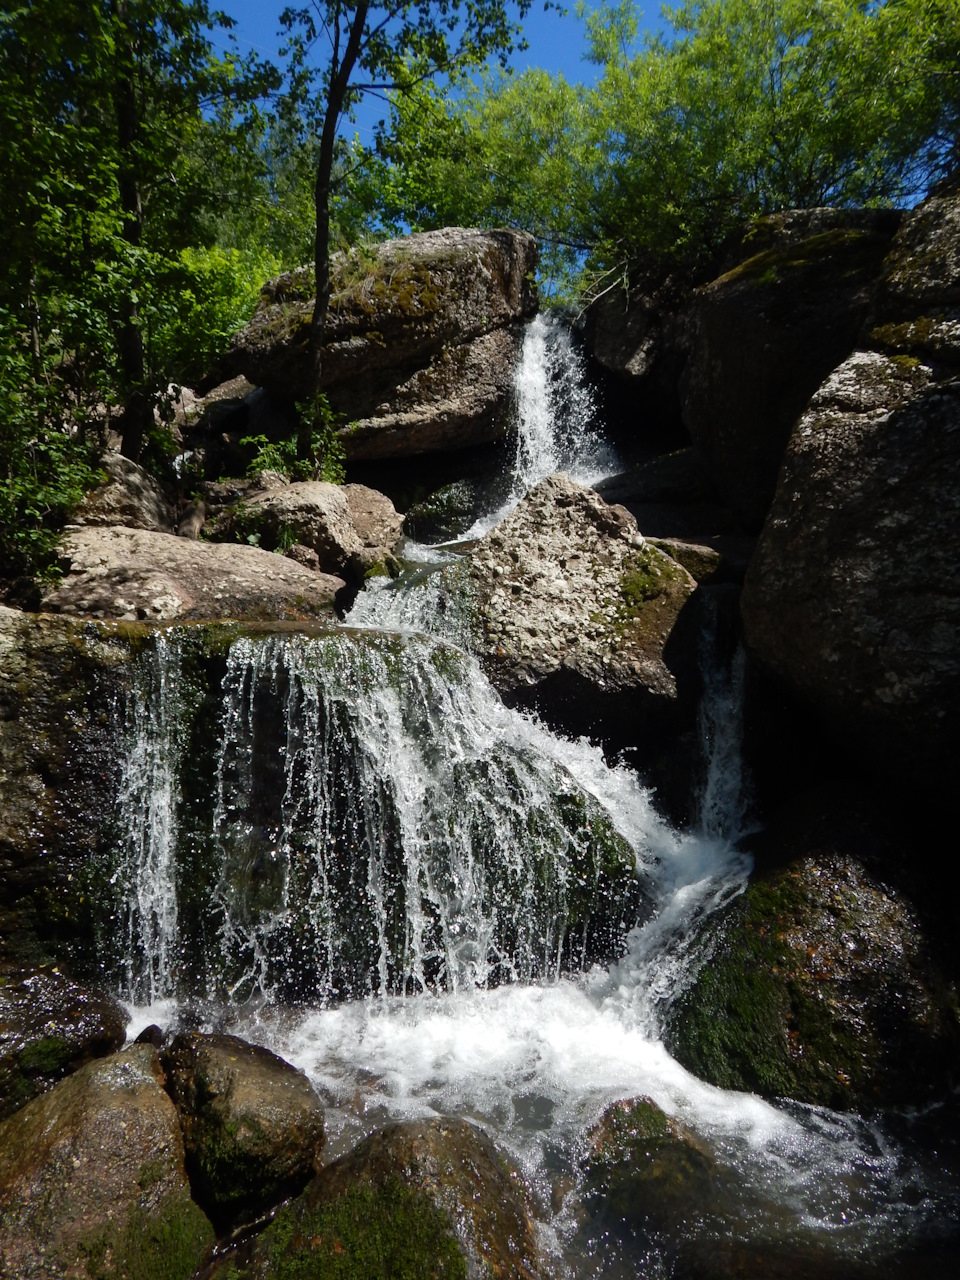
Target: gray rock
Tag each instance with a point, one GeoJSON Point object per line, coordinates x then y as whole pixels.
{"type": "Point", "coordinates": [92, 1179]}
{"type": "Point", "coordinates": [351, 528]}
{"type": "Point", "coordinates": [252, 1124]}
{"type": "Point", "coordinates": [577, 609]}
{"type": "Point", "coordinates": [853, 596]}
{"type": "Point", "coordinates": [131, 497]}
{"type": "Point", "coordinates": [50, 1026]}
{"type": "Point", "coordinates": [128, 574]}
{"type": "Point", "coordinates": [420, 342]}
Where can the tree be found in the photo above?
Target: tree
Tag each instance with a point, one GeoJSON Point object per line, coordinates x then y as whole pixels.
{"type": "Point", "coordinates": [378, 48]}
{"type": "Point", "coordinates": [750, 106]}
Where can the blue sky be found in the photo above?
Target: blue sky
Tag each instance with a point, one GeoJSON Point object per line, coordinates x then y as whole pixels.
{"type": "Point", "coordinates": [556, 41]}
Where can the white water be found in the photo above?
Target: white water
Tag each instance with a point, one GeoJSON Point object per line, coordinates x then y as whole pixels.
{"type": "Point", "coordinates": [557, 423]}
{"type": "Point", "coordinates": [534, 1062]}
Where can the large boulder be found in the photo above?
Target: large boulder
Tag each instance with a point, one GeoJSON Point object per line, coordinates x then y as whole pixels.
{"type": "Point", "coordinates": [50, 1026]}
{"type": "Point", "coordinates": [92, 1179]}
{"type": "Point", "coordinates": [421, 338]}
{"type": "Point", "coordinates": [425, 1198]}
{"type": "Point", "coordinates": [129, 496]}
{"type": "Point", "coordinates": [252, 1124]}
{"type": "Point", "coordinates": [819, 985]}
{"type": "Point", "coordinates": [138, 575]}
{"type": "Point", "coordinates": [853, 599]}
{"type": "Point", "coordinates": [579, 615]}
{"type": "Point", "coordinates": [351, 529]}
{"type": "Point", "coordinates": [762, 337]}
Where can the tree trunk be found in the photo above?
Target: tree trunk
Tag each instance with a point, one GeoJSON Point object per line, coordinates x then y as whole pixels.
{"type": "Point", "coordinates": [336, 97]}
{"type": "Point", "coordinates": [137, 413]}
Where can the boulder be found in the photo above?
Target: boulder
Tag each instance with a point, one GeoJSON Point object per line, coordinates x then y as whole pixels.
{"type": "Point", "coordinates": [252, 1124]}
{"type": "Point", "coordinates": [351, 529]}
{"type": "Point", "coordinates": [50, 1026]}
{"type": "Point", "coordinates": [762, 337]}
{"type": "Point", "coordinates": [579, 616]}
{"type": "Point", "coordinates": [421, 338]}
{"type": "Point", "coordinates": [130, 497]}
{"type": "Point", "coordinates": [853, 597]}
{"type": "Point", "coordinates": [424, 1198]}
{"type": "Point", "coordinates": [92, 1179]}
{"type": "Point", "coordinates": [818, 984]}
{"type": "Point", "coordinates": [130, 574]}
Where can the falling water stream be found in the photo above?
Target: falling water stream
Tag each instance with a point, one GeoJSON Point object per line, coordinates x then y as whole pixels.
{"type": "Point", "coordinates": [435, 906]}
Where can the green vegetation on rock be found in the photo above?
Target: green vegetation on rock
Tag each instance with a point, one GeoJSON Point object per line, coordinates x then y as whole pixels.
{"type": "Point", "coordinates": [168, 1244]}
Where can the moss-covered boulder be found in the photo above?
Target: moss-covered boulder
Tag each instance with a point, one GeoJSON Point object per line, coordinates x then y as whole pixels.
{"type": "Point", "coordinates": [92, 1180]}
{"type": "Point", "coordinates": [50, 1026]}
{"type": "Point", "coordinates": [414, 1201]}
{"type": "Point", "coordinates": [818, 986]}
{"type": "Point", "coordinates": [252, 1124]}
{"type": "Point", "coordinates": [421, 338]}
{"type": "Point", "coordinates": [584, 619]}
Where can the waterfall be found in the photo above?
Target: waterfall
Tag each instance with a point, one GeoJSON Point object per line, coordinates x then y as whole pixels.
{"type": "Point", "coordinates": [556, 417]}
{"type": "Point", "coordinates": [148, 801]}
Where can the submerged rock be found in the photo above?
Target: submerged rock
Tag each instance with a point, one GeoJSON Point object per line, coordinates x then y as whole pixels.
{"type": "Point", "coordinates": [580, 615]}
{"type": "Point", "coordinates": [92, 1179]}
{"type": "Point", "coordinates": [252, 1124]}
{"type": "Point", "coordinates": [817, 985]}
{"type": "Point", "coordinates": [425, 1198]}
{"type": "Point", "coordinates": [50, 1026]}
{"type": "Point", "coordinates": [421, 338]}
{"type": "Point", "coordinates": [153, 577]}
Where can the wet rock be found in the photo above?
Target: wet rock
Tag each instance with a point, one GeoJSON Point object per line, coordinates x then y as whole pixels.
{"type": "Point", "coordinates": [425, 1198]}
{"type": "Point", "coordinates": [421, 338]}
{"type": "Point", "coordinates": [130, 497]}
{"type": "Point", "coordinates": [580, 615]}
{"type": "Point", "coordinates": [447, 513]}
{"type": "Point", "coordinates": [92, 1179]}
{"type": "Point", "coordinates": [50, 1026]}
{"type": "Point", "coordinates": [646, 1172]}
{"type": "Point", "coordinates": [762, 337]}
{"type": "Point", "coordinates": [252, 1124]}
{"type": "Point", "coordinates": [128, 574]}
{"type": "Point", "coordinates": [818, 985]}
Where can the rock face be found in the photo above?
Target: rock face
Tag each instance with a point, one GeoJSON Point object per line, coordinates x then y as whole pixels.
{"type": "Point", "coordinates": [129, 574]}
{"type": "Point", "coordinates": [421, 338]}
{"type": "Point", "coordinates": [852, 598]}
{"type": "Point", "coordinates": [50, 1026]}
{"type": "Point", "coordinates": [763, 336]}
{"type": "Point", "coordinates": [427, 1198]}
{"type": "Point", "coordinates": [130, 497]}
{"type": "Point", "coordinates": [252, 1124]}
{"type": "Point", "coordinates": [92, 1179]}
{"type": "Point", "coordinates": [352, 530]}
{"type": "Point", "coordinates": [818, 987]}
{"type": "Point", "coordinates": [580, 612]}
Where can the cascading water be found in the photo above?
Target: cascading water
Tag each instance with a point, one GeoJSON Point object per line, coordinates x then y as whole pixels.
{"type": "Point", "coordinates": [435, 906]}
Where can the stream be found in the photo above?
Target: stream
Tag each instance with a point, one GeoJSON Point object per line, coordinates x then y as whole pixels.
{"type": "Point", "coordinates": [433, 905]}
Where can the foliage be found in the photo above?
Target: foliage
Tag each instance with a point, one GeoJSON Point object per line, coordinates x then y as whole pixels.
{"type": "Point", "coordinates": [749, 107]}
{"type": "Point", "coordinates": [47, 458]}
{"type": "Point", "coordinates": [326, 457]}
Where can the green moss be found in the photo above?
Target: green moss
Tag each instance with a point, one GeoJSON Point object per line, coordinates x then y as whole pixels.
{"type": "Point", "coordinates": [389, 1231]}
{"type": "Point", "coordinates": [858, 251]}
{"type": "Point", "coordinates": [46, 1057]}
{"type": "Point", "coordinates": [164, 1245]}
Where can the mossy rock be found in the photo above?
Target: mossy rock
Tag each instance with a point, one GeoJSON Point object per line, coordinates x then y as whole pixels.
{"type": "Point", "coordinates": [817, 987]}
{"type": "Point", "coordinates": [445, 514]}
{"type": "Point", "coordinates": [417, 1201]}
